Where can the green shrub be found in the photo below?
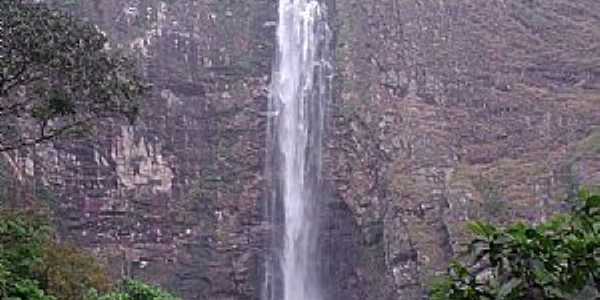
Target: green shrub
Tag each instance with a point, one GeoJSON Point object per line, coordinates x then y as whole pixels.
{"type": "Point", "coordinates": [556, 260]}
{"type": "Point", "coordinates": [68, 273]}
{"type": "Point", "coordinates": [21, 247]}
{"type": "Point", "coordinates": [34, 267]}
{"type": "Point", "coordinates": [134, 290]}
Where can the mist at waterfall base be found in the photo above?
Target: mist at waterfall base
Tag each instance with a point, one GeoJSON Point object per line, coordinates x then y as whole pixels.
{"type": "Point", "coordinates": [299, 95]}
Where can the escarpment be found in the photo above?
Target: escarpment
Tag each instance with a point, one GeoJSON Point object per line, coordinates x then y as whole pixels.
{"type": "Point", "coordinates": [441, 112]}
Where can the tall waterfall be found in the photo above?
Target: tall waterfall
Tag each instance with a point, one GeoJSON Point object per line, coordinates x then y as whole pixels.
{"type": "Point", "coordinates": [300, 91]}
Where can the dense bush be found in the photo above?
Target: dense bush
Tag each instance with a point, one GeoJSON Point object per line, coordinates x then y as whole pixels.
{"type": "Point", "coordinates": [34, 267]}
{"type": "Point", "coordinates": [134, 290]}
{"type": "Point", "coordinates": [68, 273]}
{"type": "Point", "coordinates": [557, 260]}
{"type": "Point", "coordinates": [21, 250]}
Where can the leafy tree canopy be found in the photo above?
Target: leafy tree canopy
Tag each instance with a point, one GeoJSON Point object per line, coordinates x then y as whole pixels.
{"type": "Point", "coordinates": [557, 260]}
{"type": "Point", "coordinates": [57, 76]}
{"type": "Point", "coordinates": [21, 250]}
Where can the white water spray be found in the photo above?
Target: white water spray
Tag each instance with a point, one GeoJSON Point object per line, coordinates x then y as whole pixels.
{"type": "Point", "coordinates": [300, 91]}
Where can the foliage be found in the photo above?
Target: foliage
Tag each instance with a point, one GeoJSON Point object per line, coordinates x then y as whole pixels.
{"type": "Point", "coordinates": [34, 267]}
{"type": "Point", "coordinates": [553, 261]}
{"type": "Point", "coordinates": [21, 248]}
{"type": "Point", "coordinates": [69, 273]}
{"type": "Point", "coordinates": [57, 76]}
{"type": "Point", "coordinates": [135, 290]}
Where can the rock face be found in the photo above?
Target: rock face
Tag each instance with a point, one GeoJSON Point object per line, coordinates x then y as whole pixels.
{"type": "Point", "coordinates": [176, 198]}
{"type": "Point", "coordinates": [443, 112]}
{"type": "Point", "coordinates": [449, 111]}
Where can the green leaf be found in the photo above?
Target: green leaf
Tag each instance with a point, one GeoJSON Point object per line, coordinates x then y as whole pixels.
{"type": "Point", "coordinates": [482, 229]}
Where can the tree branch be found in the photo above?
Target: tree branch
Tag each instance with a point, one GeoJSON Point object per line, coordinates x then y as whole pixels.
{"type": "Point", "coordinates": [44, 137]}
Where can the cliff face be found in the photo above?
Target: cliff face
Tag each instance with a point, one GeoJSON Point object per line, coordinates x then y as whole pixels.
{"type": "Point", "coordinates": [176, 198]}
{"type": "Point", "coordinates": [444, 111]}
{"type": "Point", "coordinates": [449, 111]}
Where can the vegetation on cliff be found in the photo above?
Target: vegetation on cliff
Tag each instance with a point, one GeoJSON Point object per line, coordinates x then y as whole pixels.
{"type": "Point", "coordinates": [134, 290]}
{"type": "Point", "coordinates": [33, 266]}
{"type": "Point", "coordinates": [556, 260]}
{"type": "Point", "coordinates": [58, 75]}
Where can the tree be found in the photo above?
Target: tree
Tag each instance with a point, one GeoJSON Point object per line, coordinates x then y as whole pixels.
{"type": "Point", "coordinates": [21, 249]}
{"type": "Point", "coordinates": [58, 76]}
{"type": "Point", "coordinates": [557, 260]}
{"type": "Point", "coordinates": [68, 273]}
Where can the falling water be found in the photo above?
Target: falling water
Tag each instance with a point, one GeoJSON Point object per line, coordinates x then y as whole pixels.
{"type": "Point", "coordinates": [300, 91]}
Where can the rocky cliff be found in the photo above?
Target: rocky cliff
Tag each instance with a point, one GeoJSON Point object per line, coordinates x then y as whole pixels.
{"type": "Point", "coordinates": [176, 198]}
{"type": "Point", "coordinates": [449, 111]}
{"type": "Point", "coordinates": [443, 112]}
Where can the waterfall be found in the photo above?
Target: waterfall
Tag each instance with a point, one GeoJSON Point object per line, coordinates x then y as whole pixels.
{"type": "Point", "coordinates": [299, 93]}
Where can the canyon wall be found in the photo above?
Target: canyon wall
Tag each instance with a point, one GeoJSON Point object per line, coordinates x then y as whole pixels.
{"type": "Point", "coordinates": [176, 198]}
{"type": "Point", "coordinates": [443, 112]}
{"type": "Point", "coordinates": [449, 111]}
